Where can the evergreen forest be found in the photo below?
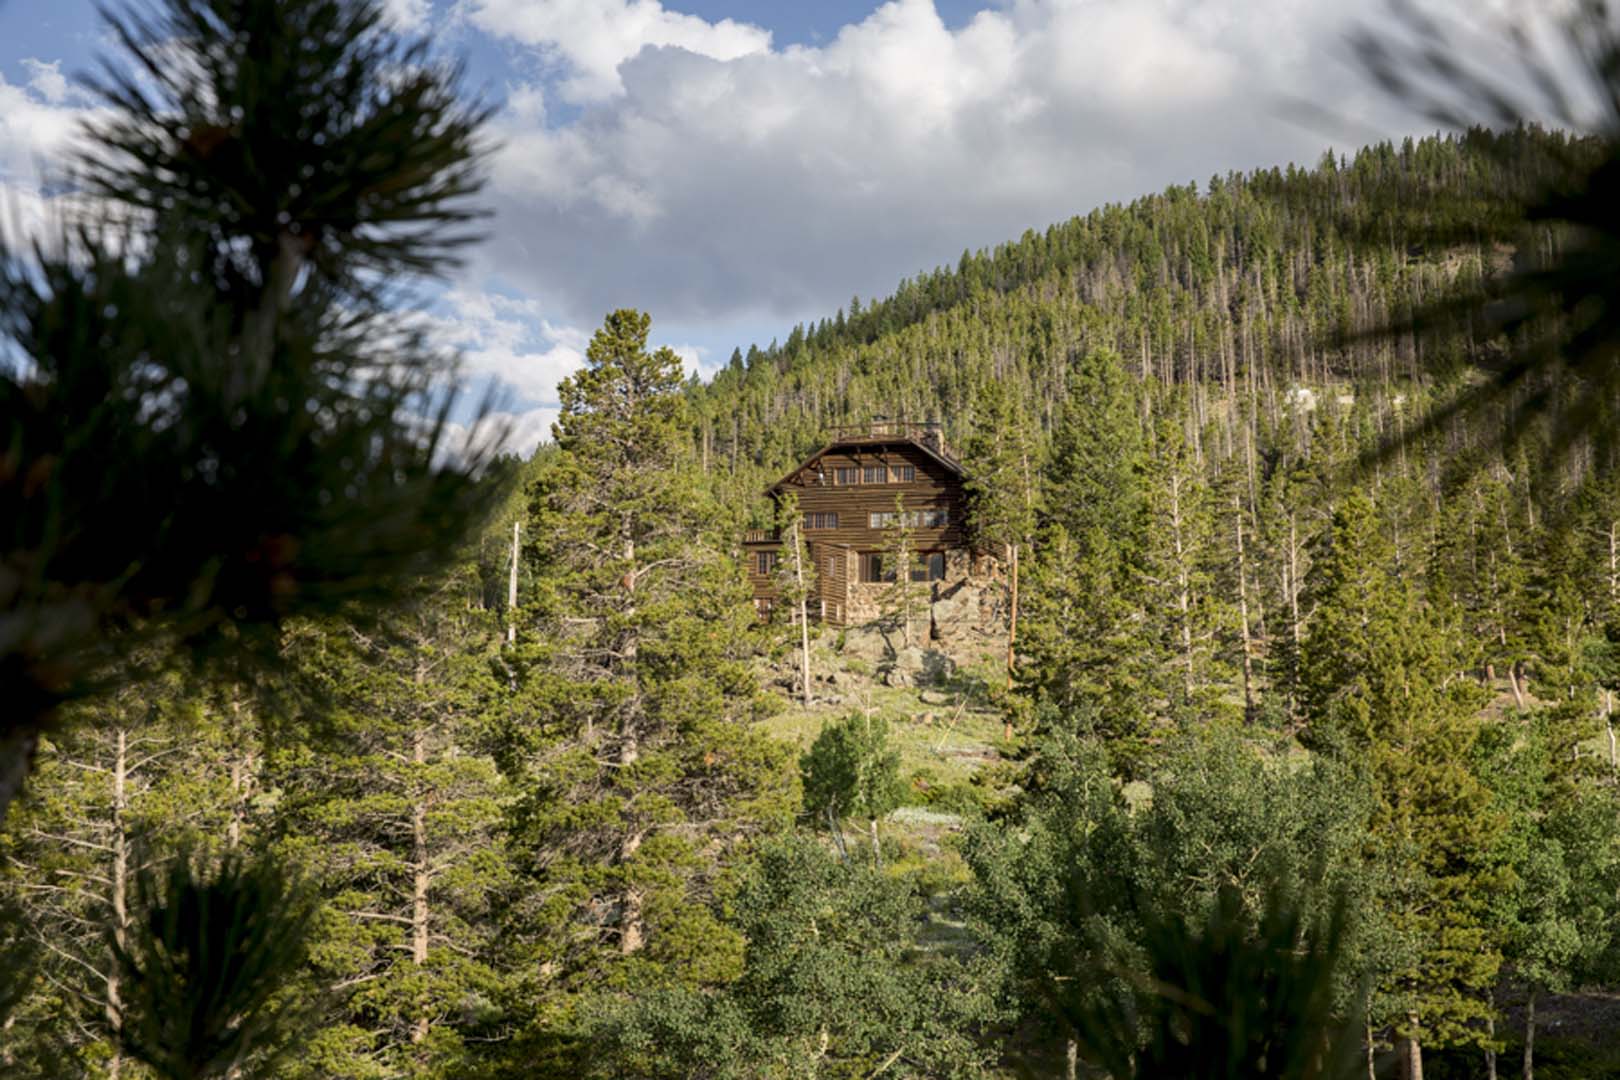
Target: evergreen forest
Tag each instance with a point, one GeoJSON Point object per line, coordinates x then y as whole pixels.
{"type": "Point", "coordinates": [333, 749]}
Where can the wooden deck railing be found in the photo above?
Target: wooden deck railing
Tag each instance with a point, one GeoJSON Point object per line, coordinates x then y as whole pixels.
{"type": "Point", "coordinates": [762, 536]}
{"type": "Point", "coordinates": [883, 428]}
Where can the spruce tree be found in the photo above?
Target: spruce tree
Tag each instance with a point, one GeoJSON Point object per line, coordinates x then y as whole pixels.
{"type": "Point", "coordinates": [1085, 643]}
{"type": "Point", "coordinates": [796, 583]}
{"type": "Point", "coordinates": [1002, 471]}
{"type": "Point", "coordinates": [899, 602]}
{"type": "Point", "coordinates": [398, 817]}
{"type": "Point", "coordinates": [629, 745]}
{"type": "Point", "coordinates": [1384, 694]}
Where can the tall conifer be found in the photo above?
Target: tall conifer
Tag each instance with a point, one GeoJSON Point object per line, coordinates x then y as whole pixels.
{"type": "Point", "coordinates": [629, 739]}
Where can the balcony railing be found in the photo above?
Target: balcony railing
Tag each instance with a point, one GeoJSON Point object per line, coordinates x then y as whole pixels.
{"type": "Point", "coordinates": [762, 536]}
{"type": "Point", "coordinates": [884, 428]}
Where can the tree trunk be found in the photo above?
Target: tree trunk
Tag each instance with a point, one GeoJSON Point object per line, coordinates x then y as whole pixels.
{"type": "Point", "coordinates": [1012, 628]}
{"type": "Point", "coordinates": [1243, 613]}
{"type": "Point", "coordinates": [1372, 1055]}
{"type": "Point", "coordinates": [804, 612]}
{"type": "Point", "coordinates": [1071, 1059]}
{"type": "Point", "coordinates": [1513, 681]}
{"type": "Point", "coordinates": [1183, 587]}
{"type": "Point", "coordinates": [877, 848]}
{"type": "Point", "coordinates": [420, 869]}
{"type": "Point", "coordinates": [120, 896]}
{"type": "Point", "coordinates": [837, 835]}
{"type": "Point", "coordinates": [631, 931]}
{"type": "Point", "coordinates": [1412, 1053]}
{"type": "Point", "coordinates": [1530, 1036]}
{"type": "Point", "coordinates": [511, 588]}
{"type": "Point", "coordinates": [1490, 1033]}
{"type": "Point", "coordinates": [241, 777]}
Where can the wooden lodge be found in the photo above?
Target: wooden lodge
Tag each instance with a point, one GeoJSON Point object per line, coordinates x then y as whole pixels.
{"type": "Point", "coordinates": [846, 493]}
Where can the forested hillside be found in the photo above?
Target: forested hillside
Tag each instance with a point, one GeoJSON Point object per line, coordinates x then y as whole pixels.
{"type": "Point", "coordinates": [1305, 755]}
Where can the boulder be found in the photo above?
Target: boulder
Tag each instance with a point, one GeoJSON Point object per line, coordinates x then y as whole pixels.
{"type": "Point", "coordinates": [958, 611]}
{"type": "Point", "coordinates": [913, 666]}
{"type": "Point", "coordinates": [867, 644]}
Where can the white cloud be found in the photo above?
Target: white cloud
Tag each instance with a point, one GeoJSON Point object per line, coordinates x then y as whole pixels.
{"type": "Point", "coordinates": [408, 15]}
{"type": "Point", "coordinates": [721, 179]}
{"type": "Point", "coordinates": [47, 80]}
{"type": "Point", "coordinates": [507, 339]}
{"type": "Point", "coordinates": [41, 125]}
{"type": "Point", "coordinates": [38, 123]}
{"type": "Point", "coordinates": [591, 38]}
{"type": "Point", "coordinates": [519, 433]}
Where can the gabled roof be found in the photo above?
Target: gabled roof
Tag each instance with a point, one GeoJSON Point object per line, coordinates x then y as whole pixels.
{"type": "Point", "coordinates": [951, 464]}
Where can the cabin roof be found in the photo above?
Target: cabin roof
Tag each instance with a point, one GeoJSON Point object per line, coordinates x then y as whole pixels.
{"type": "Point", "coordinates": [868, 442]}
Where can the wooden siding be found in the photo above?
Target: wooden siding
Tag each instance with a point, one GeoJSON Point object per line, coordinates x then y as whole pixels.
{"type": "Point", "coordinates": [936, 487]}
{"type": "Point", "coordinates": [832, 582]}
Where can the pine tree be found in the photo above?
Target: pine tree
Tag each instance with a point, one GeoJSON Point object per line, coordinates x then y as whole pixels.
{"type": "Point", "coordinates": [851, 770]}
{"type": "Point", "coordinates": [1001, 489]}
{"type": "Point", "coordinates": [217, 422]}
{"type": "Point", "coordinates": [397, 817]}
{"type": "Point", "coordinates": [900, 600]}
{"type": "Point", "coordinates": [635, 769]}
{"type": "Point", "coordinates": [1383, 694]}
{"type": "Point", "coordinates": [796, 582]}
{"type": "Point", "coordinates": [1084, 641]}
{"type": "Point", "coordinates": [1178, 591]}
{"type": "Point", "coordinates": [138, 775]}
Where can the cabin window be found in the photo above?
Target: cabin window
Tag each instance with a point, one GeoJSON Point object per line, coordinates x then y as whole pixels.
{"type": "Point", "coordinates": [765, 561]}
{"type": "Point", "coordinates": [846, 474]}
{"type": "Point", "coordinates": [930, 567]}
{"type": "Point", "coordinates": [913, 519]}
{"type": "Point", "coordinates": [762, 604]}
{"type": "Point", "coordinates": [821, 519]}
{"type": "Point", "coordinates": [876, 474]}
{"type": "Point", "coordinates": [874, 567]}
{"type": "Point", "coordinates": [904, 474]}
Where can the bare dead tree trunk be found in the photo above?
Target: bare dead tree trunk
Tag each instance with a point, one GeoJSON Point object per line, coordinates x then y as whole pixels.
{"type": "Point", "coordinates": [1012, 628]}
{"type": "Point", "coordinates": [421, 869]}
{"type": "Point", "coordinates": [120, 895]}
{"type": "Point", "coordinates": [877, 848]}
{"type": "Point", "coordinates": [1614, 562]}
{"type": "Point", "coordinates": [1372, 1055]}
{"type": "Point", "coordinates": [1293, 592]}
{"type": "Point", "coordinates": [1071, 1058]}
{"type": "Point", "coordinates": [1183, 589]}
{"type": "Point", "coordinates": [1513, 681]}
{"type": "Point", "coordinates": [632, 933]}
{"type": "Point", "coordinates": [1490, 1033]}
{"type": "Point", "coordinates": [241, 777]}
{"type": "Point", "coordinates": [1530, 1035]}
{"type": "Point", "coordinates": [804, 611]}
{"type": "Point", "coordinates": [511, 588]}
{"type": "Point", "coordinates": [1243, 612]}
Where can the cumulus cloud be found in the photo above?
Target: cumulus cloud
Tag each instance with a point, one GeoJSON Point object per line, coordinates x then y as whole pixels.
{"type": "Point", "coordinates": [589, 39]}
{"type": "Point", "coordinates": [713, 178]}
{"type": "Point", "coordinates": [408, 15]}
{"type": "Point", "coordinates": [507, 338]}
{"type": "Point", "coordinates": [40, 127]}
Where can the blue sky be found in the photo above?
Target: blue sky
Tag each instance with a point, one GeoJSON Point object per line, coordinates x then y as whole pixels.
{"type": "Point", "coordinates": [734, 167]}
